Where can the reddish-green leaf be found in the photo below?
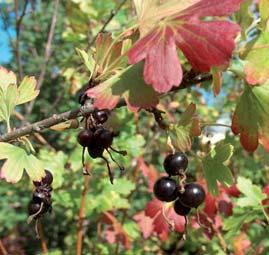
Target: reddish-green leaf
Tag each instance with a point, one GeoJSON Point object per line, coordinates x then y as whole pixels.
{"type": "Point", "coordinates": [127, 84]}
{"type": "Point", "coordinates": [256, 68]}
{"type": "Point", "coordinates": [173, 24]}
{"type": "Point", "coordinates": [161, 222]}
{"type": "Point", "coordinates": [251, 117]}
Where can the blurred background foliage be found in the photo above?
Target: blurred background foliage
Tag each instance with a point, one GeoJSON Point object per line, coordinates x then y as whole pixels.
{"type": "Point", "coordinates": [78, 21]}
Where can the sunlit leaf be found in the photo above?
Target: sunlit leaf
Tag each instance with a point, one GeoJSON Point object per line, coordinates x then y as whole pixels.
{"type": "Point", "coordinates": [128, 84]}
{"type": "Point", "coordinates": [18, 160]}
{"type": "Point", "coordinates": [251, 117]}
{"type": "Point", "coordinates": [256, 67]}
{"type": "Point", "coordinates": [181, 134]}
{"type": "Point", "coordinates": [166, 25]}
{"type": "Point", "coordinates": [253, 194]}
{"type": "Point", "coordinates": [27, 90]}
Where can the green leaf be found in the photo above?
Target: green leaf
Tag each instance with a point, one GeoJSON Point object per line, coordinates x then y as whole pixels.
{"type": "Point", "coordinates": [122, 186]}
{"type": "Point", "coordinates": [128, 84]}
{"type": "Point", "coordinates": [214, 168]}
{"type": "Point", "coordinates": [180, 135]}
{"type": "Point", "coordinates": [27, 90]}
{"type": "Point", "coordinates": [6, 78]}
{"type": "Point", "coordinates": [55, 163]}
{"type": "Point", "coordinates": [235, 222]}
{"type": "Point", "coordinates": [244, 17]}
{"type": "Point", "coordinates": [251, 117]}
{"type": "Point", "coordinates": [17, 161]}
{"type": "Point", "coordinates": [8, 99]}
{"type": "Point", "coordinates": [257, 60]}
{"type": "Point", "coordinates": [264, 12]}
{"type": "Point", "coordinates": [87, 59]}
{"type": "Point", "coordinates": [253, 194]}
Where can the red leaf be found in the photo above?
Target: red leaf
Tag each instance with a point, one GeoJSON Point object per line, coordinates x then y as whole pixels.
{"type": "Point", "coordinates": [145, 223]}
{"type": "Point", "coordinates": [115, 232]}
{"type": "Point", "coordinates": [154, 210]}
{"type": "Point", "coordinates": [149, 172]}
{"type": "Point", "coordinates": [204, 43]}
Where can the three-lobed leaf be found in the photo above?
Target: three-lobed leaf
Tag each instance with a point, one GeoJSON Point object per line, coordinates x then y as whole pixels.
{"type": "Point", "coordinates": [18, 160]}
{"type": "Point", "coordinates": [168, 25]}
{"type": "Point", "coordinates": [214, 168]}
{"type": "Point", "coordinates": [251, 117]}
{"type": "Point", "coordinates": [128, 84]}
{"type": "Point", "coordinates": [253, 194]}
{"type": "Point", "coordinates": [11, 95]}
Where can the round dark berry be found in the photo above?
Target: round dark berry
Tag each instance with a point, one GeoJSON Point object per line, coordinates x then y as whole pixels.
{"type": "Point", "coordinates": [103, 137]}
{"type": "Point", "coordinates": [180, 209]}
{"type": "Point", "coordinates": [173, 163]}
{"type": "Point", "coordinates": [193, 196]}
{"type": "Point", "coordinates": [47, 180]}
{"type": "Point", "coordinates": [95, 151]}
{"type": "Point", "coordinates": [85, 138]}
{"type": "Point", "coordinates": [165, 189]}
{"type": "Point", "coordinates": [100, 116]}
{"type": "Point", "coordinates": [38, 197]}
{"type": "Point", "coordinates": [34, 207]}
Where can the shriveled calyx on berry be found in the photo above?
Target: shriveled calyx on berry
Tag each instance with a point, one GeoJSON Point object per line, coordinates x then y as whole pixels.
{"type": "Point", "coordinates": [193, 195]}
{"type": "Point", "coordinates": [165, 189]}
{"type": "Point", "coordinates": [175, 163]}
{"type": "Point", "coordinates": [47, 180]}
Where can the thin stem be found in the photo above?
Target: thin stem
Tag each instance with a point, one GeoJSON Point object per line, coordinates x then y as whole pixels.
{"type": "Point", "coordinates": [265, 214]}
{"type": "Point", "coordinates": [47, 54]}
{"type": "Point", "coordinates": [2, 248]}
{"type": "Point", "coordinates": [18, 30]}
{"type": "Point", "coordinates": [42, 238]}
{"type": "Point", "coordinates": [83, 111]}
{"type": "Point", "coordinates": [80, 231]}
{"type": "Point", "coordinates": [113, 13]}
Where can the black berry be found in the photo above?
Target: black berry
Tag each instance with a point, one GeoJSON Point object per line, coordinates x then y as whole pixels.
{"type": "Point", "coordinates": [180, 209]}
{"type": "Point", "coordinates": [95, 151]}
{"type": "Point", "coordinates": [173, 163]}
{"type": "Point", "coordinates": [165, 189]}
{"type": "Point", "coordinates": [100, 116]}
{"type": "Point", "coordinates": [193, 196]}
{"type": "Point", "coordinates": [103, 137]}
{"type": "Point", "coordinates": [47, 180]}
{"type": "Point", "coordinates": [34, 208]}
{"type": "Point", "coordinates": [85, 138]}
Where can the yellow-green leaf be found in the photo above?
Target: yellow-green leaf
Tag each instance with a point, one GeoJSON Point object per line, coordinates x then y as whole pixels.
{"type": "Point", "coordinates": [18, 160]}
{"type": "Point", "coordinates": [6, 78]}
{"type": "Point", "coordinates": [27, 90]}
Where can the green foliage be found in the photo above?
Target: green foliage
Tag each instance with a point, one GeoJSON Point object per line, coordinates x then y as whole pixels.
{"type": "Point", "coordinates": [17, 161]}
{"type": "Point", "coordinates": [214, 168]}
{"type": "Point", "coordinates": [78, 21]}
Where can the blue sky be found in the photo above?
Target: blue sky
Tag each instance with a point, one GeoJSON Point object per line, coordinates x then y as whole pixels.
{"type": "Point", "coordinates": [5, 52]}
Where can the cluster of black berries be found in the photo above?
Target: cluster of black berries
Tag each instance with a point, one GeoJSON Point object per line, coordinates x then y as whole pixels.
{"type": "Point", "coordinates": [166, 189]}
{"type": "Point", "coordinates": [41, 201]}
{"type": "Point", "coordinates": [97, 139]}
